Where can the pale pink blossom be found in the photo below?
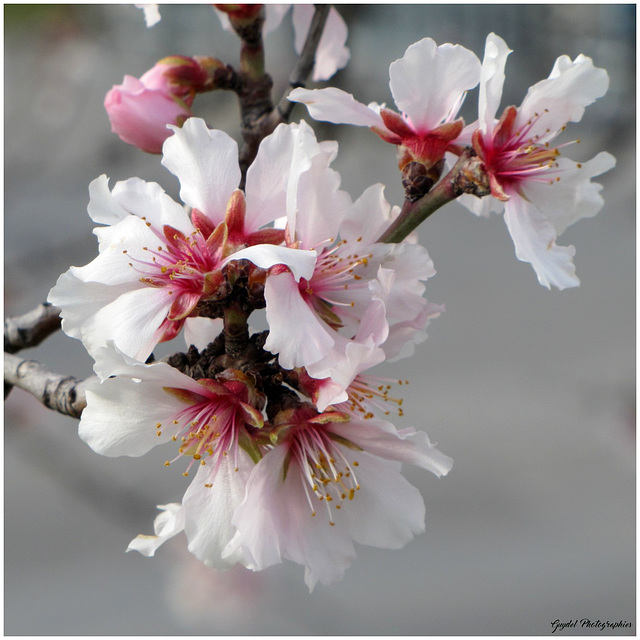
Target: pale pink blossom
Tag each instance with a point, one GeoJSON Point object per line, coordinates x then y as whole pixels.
{"type": "Point", "coordinates": [331, 481]}
{"type": "Point", "coordinates": [428, 85]}
{"type": "Point", "coordinates": [140, 115]}
{"type": "Point", "coordinates": [157, 263]}
{"type": "Point", "coordinates": [332, 53]}
{"type": "Point", "coordinates": [309, 319]}
{"type": "Point", "coordinates": [210, 421]}
{"type": "Point", "coordinates": [540, 191]}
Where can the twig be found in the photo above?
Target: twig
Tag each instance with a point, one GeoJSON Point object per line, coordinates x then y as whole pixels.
{"type": "Point", "coordinates": [63, 394]}
{"type": "Point", "coordinates": [30, 329]}
{"type": "Point", "coordinates": [304, 66]}
{"type": "Point", "coordinates": [414, 213]}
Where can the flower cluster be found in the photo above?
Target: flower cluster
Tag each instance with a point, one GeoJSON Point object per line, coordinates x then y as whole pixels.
{"type": "Point", "coordinates": [285, 431]}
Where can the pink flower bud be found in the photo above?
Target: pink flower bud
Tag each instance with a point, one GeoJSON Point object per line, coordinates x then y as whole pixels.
{"type": "Point", "coordinates": [140, 115]}
{"type": "Point", "coordinates": [177, 75]}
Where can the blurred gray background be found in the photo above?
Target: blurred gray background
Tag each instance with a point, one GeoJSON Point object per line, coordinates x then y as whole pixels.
{"type": "Point", "coordinates": [531, 392]}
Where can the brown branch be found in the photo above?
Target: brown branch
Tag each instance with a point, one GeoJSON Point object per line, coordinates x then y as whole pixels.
{"type": "Point", "coordinates": [63, 394]}
{"type": "Point", "coordinates": [304, 66]}
{"type": "Point", "coordinates": [30, 329]}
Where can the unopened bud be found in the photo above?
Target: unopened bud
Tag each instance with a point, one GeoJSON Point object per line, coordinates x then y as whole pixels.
{"type": "Point", "coordinates": [472, 178]}
{"type": "Point", "coordinates": [417, 178]}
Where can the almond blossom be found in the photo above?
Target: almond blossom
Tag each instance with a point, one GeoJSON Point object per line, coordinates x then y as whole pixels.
{"type": "Point", "coordinates": [331, 481]}
{"type": "Point", "coordinates": [140, 406]}
{"type": "Point", "coordinates": [332, 53]}
{"type": "Point", "coordinates": [540, 191]}
{"type": "Point", "coordinates": [428, 85]}
{"type": "Point", "coordinates": [309, 319]}
{"type": "Point", "coordinates": [156, 263]}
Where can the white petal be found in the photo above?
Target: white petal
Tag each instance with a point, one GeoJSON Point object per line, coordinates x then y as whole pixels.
{"type": "Point", "coordinates": [274, 13]}
{"type": "Point", "coordinates": [337, 106]}
{"type": "Point", "coordinates": [320, 205]}
{"type": "Point", "coordinates": [368, 217]}
{"type": "Point", "coordinates": [574, 196]}
{"type": "Point", "coordinates": [151, 14]}
{"type": "Point", "coordinates": [295, 332]}
{"type": "Point", "coordinates": [149, 201]}
{"type": "Point", "coordinates": [200, 332]}
{"type": "Point", "coordinates": [121, 416]}
{"type": "Point", "coordinates": [300, 261]}
{"type": "Point", "coordinates": [491, 80]}
{"type": "Point", "coordinates": [206, 163]}
{"type": "Point", "coordinates": [482, 207]}
{"type": "Point", "coordinates": [563, 96]}
{"type": "Point", "coordinates": [268, 178]}
{"type": "Point", "coordinates": [130, 321]}
{"type": "Point", "coordinates": [535, 241]}
{"type": "Point", "coordinates": [387, 511]}
{"type": "Point", "coordinates": [209, 510]}
{"type": "Point", "coordinates": [80, 300]}
{"type": "Point", "coordinates": [331, 54]}
{"type": "Point", "coordinates": [166, 525]}
{"type": "Point", "coordinates": [428, 82]}
{"type": "Point", "coordinates": [102, 207]}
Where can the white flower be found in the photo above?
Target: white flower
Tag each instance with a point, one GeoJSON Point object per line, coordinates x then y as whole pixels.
{"type": "Point", "coordinates": [310, 318]}
{"type": "Point", "coordinates": [156, 263]}
{"type": "Point", "coordinates": [540, 192]}
{"type": "Point", "coordinates": [428, 85]}
{"type": "Point", "coordinates": [329, 482]}
{"type": "Point", "coordinates": [331, 55]}
{"type": "Point", "coordinates": [211, 422]}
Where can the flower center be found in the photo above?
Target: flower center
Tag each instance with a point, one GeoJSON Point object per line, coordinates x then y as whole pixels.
{"type": "Point", "coordinates": [370, 392]}
{"type": "Point", "coordinates": [207, 427]}
{"type": "Point", "coordinates": [327, 475]}
{"type": "Point", "coordinates": [180, 265]}
{"type": "Point", "coordinates": [339, 272]}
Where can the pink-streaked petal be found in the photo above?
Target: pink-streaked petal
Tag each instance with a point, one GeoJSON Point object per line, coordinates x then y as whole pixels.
{"type": "Point", "coordinates": [491, 81]}
{"type": "Point", "coordinates": [429, 81]}
{"type": "Point", "coordinates": [404, 336]}
{"type": "Point", "coordinates": [337, 106]}
{"type": "Point", "coordinates": [209, 509]}
{"type": "Point", "coordinates": [380, 438]}
{"type": "Point", "coordinates": [332, 54]}
{"type": "Point", "coordinates": [535, 241]}
{"type": "Point", "coordinates": [166, 525]}
{"type": "Point", "coordinates": [295, 332]}
{"type": "Point", "coordinates": [206, 163]}
{"type": "Point", "coordinates": [301, 262]}
{"type": "Point", "coordinates": [574, 196]}
{"type": "Point", "coordinates": [275, 521]}
{"type": "Point", "coordinates": [563, 96]}
{"type": "Point", "coordinates": [120, 247]}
